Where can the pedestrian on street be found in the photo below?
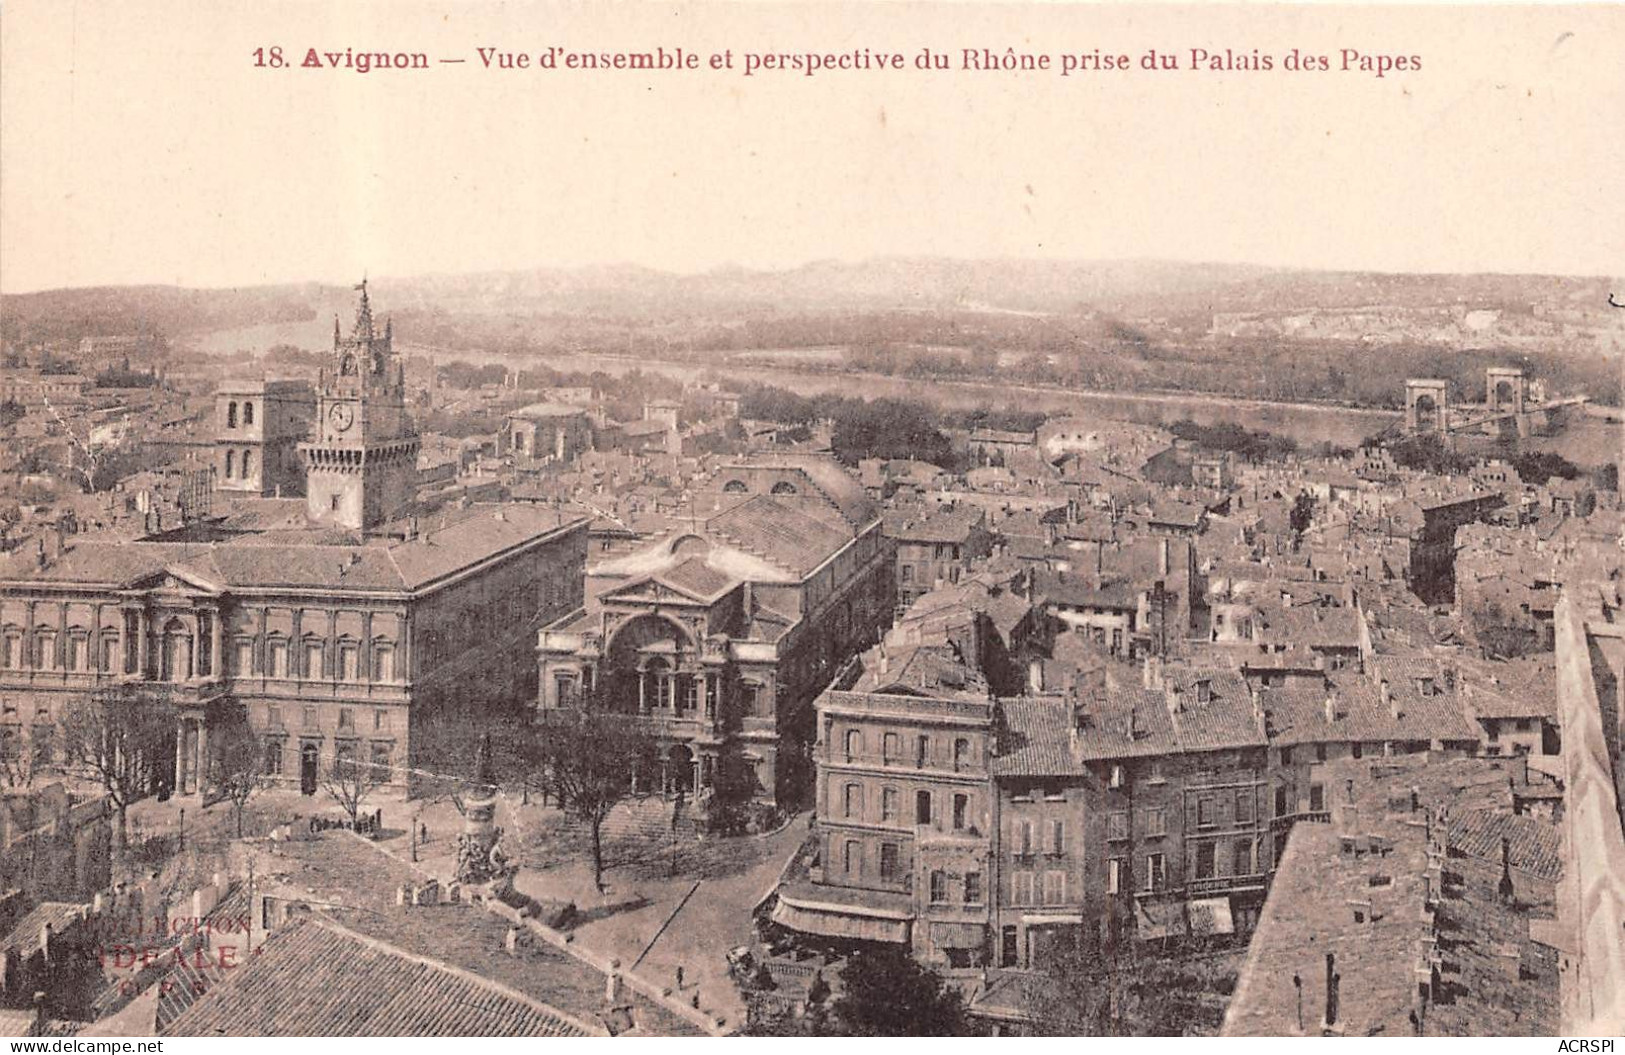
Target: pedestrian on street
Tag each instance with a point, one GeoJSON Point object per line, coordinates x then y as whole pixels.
{"type": "Point", "coordinates": [679, 976]}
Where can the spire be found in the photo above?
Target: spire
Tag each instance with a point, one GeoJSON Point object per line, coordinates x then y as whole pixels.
{"type": "Point", "coordinates": [336, 337]}
{"type": "Point", "coordinates": [363, 316]}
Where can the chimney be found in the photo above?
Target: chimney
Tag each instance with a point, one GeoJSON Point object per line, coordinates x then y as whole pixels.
{"type": "Point", "coordinates": [1332, 710]}
{"type": "Point", "coordinates": [45, 942]}
{"type": "Point", "coordinates": [1505, 889]}
{"type": "Point", "coordinates": [1163, 556]}
{"type": "Point", "coordinates": [1176, 698]}
{"type": "Point", "coordinates": [1391, 701]}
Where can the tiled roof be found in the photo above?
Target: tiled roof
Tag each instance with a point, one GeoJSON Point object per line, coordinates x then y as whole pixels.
{"type": "Point", "coordinates": [1298, 715]}
{"type": "Point", "coordinates": [278, 561]}
{"type": "Point", "coordinates": [696, 577]}
{"type": "Point", "coordinates": [23, 941]}
{"type": "Point", "coordinates": [1533, 844]}
{"type": "Point", "coordinates": [796, 533]}
{"type": "Point", "coordinates": [316, 979]}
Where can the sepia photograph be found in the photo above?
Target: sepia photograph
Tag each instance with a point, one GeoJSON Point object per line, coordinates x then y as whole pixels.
{"type": "Point", "coordinates": [860, 519]}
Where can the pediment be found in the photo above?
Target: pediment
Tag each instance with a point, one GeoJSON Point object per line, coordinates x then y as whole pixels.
{"type": "Point", "coordinates": [652, 591]}
{"type": "Point", "coordinates": [181, 581]}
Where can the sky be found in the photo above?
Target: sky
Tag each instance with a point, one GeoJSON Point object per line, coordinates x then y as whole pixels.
{"type": "Point", "coordinates": [139, 143]}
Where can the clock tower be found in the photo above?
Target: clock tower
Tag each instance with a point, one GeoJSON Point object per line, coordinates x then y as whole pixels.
{"type": "Point", "coordinates": [361, 463]}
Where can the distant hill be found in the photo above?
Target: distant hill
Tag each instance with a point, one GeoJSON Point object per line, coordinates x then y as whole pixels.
{"type": "Point", "coordinates": [637, 295]}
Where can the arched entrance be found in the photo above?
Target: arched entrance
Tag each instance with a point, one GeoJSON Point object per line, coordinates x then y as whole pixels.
{"type": "Point", "coordinates": [680, 770]}
{"type": "Point", "coordinates": [308, 755]}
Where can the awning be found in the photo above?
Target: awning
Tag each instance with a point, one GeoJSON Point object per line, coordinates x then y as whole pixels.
{"type": "Point", "coordinates": [834, 921]}
{"type": "Point", "coordinates": [1166, 919]}
{"type": "Point", "coordinates": [1212, 916]}
{"type": "Point", "coordinates": [958, 935]}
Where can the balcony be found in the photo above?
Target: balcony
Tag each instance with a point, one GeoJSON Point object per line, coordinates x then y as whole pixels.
{"type": "Point", "coordinates": [1310, 816]}
{"type": "Point", "coordinates": [1227, 884]}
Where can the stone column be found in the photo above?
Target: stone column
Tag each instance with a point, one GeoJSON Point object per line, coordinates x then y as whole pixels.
{"type": "Point", "coordinates": [180, 757]}
{"type": "Point", "coordinates": [123, 641]}
{"type": "Point", "coordinates": [143, 646]}
{"type": "Point", "coordinates": [217, 662]}
{"type": "Point", "coordinates": [643, 692]}
{"type": "Point", "coordinates": [202, 753]}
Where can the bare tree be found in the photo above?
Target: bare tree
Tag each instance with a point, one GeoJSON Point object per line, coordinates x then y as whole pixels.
{"type": "Point", "coordinates": [587, 754]}
{"type": "Point", "coordinates": [118, 736]}
{"type": "Point", "coordinates": [349, 782]}
{"type": "Point", "coordinates": [237, 765]}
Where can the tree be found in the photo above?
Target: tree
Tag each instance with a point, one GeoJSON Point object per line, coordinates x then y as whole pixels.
{"type": "Point", "coordinates": [349, 782]}
{"type": "Point", "coordinates": [1303, 513]}
{"type": "Point", "coordinates": [237, 765]}
{"type": "Point", "coordinates": [888, 994]}
{"type": "Point", "coordinates": [587, 753]}
{"type": "Point", "coordinates": [118, 736]}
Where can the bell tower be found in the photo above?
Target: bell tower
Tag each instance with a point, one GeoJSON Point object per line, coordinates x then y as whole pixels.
{"type": "Point", "coordinates": [361, 463]}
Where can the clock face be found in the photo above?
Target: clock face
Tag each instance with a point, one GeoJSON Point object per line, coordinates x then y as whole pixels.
{"type": "Point", "coordinates": [342, 416]}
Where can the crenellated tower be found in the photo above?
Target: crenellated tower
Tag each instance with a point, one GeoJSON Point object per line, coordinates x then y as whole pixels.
{"type": "Point", "coordinates": [361, 463]}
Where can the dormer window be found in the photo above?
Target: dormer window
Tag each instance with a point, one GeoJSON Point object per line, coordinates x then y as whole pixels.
{"type": "Point", "coordinates": [1204, 691]}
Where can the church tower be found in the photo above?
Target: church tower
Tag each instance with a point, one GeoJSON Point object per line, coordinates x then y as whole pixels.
{"type": "Point", "coordinates": [361, 463]}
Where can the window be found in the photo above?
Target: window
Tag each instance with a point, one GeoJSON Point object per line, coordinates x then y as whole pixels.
{"type": "Point", "coordinates": [1244, 858]}
{"type": "Point", "coordinates": [1117, 825]}
{"type": "Point", "coordinates": [908, 572]}
{"type": "Point", "coordinates": [1286, 756]}
{"type": "Point", "coordinates": [248, 464]}
{"type": "Point", "coordinates": [1320, 752]}
{"type": "Point", "coordinates": [960, 804]}
{"type": "Point", "coordinates": [922, 807]}
{"type": "Point", "coordinates": [1054, 888]}
{"type": "Point", "coordinates": [273, 758]}
{"type": "Point", "coordinates": [1114, 778]}
{"type": "Point", "coordinates": [1154, 774]}
{"type": "Point", "coordinates": [315, 657]}
{"type": "Point", "coordinates": [242, 661]}
{"type": "Point", "coordinates": [1114, 875]}
{"type": "Point", "coordinates": [1057, 833]}
{"type": "Point", "coordinates": [889, 805]}
{"type": "Point", "coordinates": [1357, 750]}
{"type": "Point", "coordinates": [1244, 806]}
{"type": "Point", "coordinates": [11, 652]}
{"type": "Point", "coordinates": [78, 652]}
{"type": "Point", "coordinates": [939, 887]}
{"type": "Point", "coordinates": [231, 464]}
{"type": "Point", "coordinates": [347, 719]}
{"type": "Point", "coordinates": [248, 414]}
{"type": "Point", "coordinates": [349, 662]}
{"type": "Point", "coordinates": [310, 717]}
{"type": "Point", "coordinates": [1156, 821]}
{"type": "Point", "coordinates": [273, 716]}
{"type": "Point", "coordinates": [231, 423]}
{"type": "Point", "coordinates": [1205, 814]}
{"type": "Point", "coordinates": [888, 860]}
{"type": "Point", "coordinates": [973, 888]}
{"type": "Point", "coordinates": [891, 749]}
{"type": "Point", "coordinates": [1205, 860]}
{"type": "Point", "coordinates": [922, 751]}
{"type": "Point", "coordinates": [961, 754]}
{"type": "Point", "coordinates": [854, 858]}
{"type": "Point", "coordinates": [1156, 872]}
{"type": "Point", "coordinates": [45, 652]}
{"type": "Point", "coordinates": [853, 801]}
{"type": "Point", "coordinates": [1281, 801]}
{"type": "Point", "coordinates": [383, 661]}
{"type": "Point", "coordinates": [380, 762]}
{"type": "Point", "coordinates": [1021, 888]}
{"type": "Point", "coordinates": [854, 744]}
{"type": "Point", "coordinates": [1317, 798]}
{"type": "Point", "coordinates": [278, 659]}
{"type": "Point", "coordinates": [1007, 946]}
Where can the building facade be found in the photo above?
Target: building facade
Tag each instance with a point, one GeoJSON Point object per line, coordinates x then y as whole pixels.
{"type": "Point", "coordinates": [725, 628]}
